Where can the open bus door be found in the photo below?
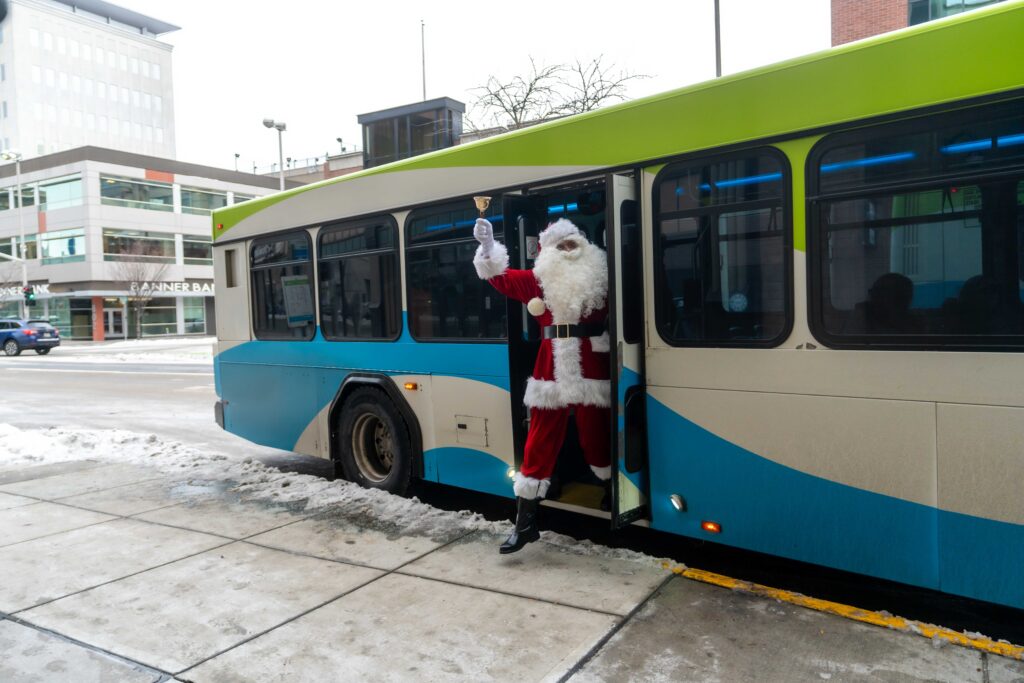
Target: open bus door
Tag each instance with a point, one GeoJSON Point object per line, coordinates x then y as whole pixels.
{"type": "Point", "coordinates": [522, 221]}
{"type": "Point", "coordinates": [630, 487]}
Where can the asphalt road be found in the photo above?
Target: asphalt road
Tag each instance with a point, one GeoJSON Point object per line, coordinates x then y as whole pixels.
{"type": "Point", "coordinates": [175, 401]}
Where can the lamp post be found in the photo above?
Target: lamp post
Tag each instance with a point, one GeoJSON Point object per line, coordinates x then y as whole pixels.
{"type": "Point", "coordinates": [280, 126]}
{"type": "Point", "coordinates": [11, 155]}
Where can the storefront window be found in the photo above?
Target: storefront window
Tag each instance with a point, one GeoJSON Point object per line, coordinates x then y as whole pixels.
{"type": "Point", "coordinates": [201, 202]}
{"type": "Point", "coordinates": [60, 193]}
{"type": "Point", "coordinates": [195, 315]}
{"type": "Point", "coordinates": [136, 193]}
{"type": "Point", "coordinates": [198, 250]}
{"type": "Point", "coordinates": [63, 246]}
{"type": "Point", "coordinates": [130, 245]}
{"type": "Point", "coordinates": [159, 318]}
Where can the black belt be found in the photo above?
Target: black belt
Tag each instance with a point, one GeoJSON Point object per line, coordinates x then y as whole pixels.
{"type": "Point", "coordinates": [564, 331]}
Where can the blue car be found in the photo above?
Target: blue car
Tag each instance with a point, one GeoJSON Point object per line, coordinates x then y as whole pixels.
{"type": "Point", "coordinates": [18, 335]}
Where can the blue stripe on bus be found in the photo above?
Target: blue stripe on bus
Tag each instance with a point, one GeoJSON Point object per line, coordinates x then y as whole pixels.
{"type": "Point", "coordinates": [868, 161]}
{"type": "Point", "coordinates": [770, 508]}
{"type": "Point", "coordinates": [469, 469]}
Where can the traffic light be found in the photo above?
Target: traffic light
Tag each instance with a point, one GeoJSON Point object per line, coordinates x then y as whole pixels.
{"type": "Point", "coordinates": [30, 294]}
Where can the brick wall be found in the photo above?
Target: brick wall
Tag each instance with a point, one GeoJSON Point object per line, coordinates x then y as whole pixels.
{"type": "Point", "coordinates": [856, 19]}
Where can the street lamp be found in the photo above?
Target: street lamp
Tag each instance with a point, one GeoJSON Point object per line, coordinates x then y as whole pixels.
{"type": "Point", "coordinates": [280, 126]}
{"type": "Point", "coordinates": [11, 155]}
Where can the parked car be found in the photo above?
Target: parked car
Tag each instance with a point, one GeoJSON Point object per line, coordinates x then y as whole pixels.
{"type": "Point", "coordinates": [18, 335]}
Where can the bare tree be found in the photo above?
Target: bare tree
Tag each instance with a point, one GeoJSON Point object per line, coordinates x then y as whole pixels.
{"type": "Point", "coordinates": [548, 92]}
{"type": "Point", "coordinates": [588, 86]}
{"type": "Point", "coordinates": [136, 271]}
{"type": "Point", "coordinates": [522, 99]}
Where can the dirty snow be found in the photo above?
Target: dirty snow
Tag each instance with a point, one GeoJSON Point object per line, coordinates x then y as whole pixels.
{"type": "Point", "coordinates": [252, 480]}
{"type": "Point", "coordinates": [177, 350]}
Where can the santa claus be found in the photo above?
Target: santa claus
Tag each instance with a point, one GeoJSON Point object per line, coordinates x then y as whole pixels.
{"type": "Point", "coordinates": [567, 292]}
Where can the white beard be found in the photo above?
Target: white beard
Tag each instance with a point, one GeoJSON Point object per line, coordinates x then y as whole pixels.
{"type": "Point", "coordinates": [575, 284]}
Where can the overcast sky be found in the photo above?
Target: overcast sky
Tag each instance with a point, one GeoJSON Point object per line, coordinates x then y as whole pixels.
{"type": "Point", "coordinates": [316, 64]}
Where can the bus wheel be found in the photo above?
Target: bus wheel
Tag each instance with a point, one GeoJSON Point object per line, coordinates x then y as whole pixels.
{"type": "Point", "coordinates": [374, 448]}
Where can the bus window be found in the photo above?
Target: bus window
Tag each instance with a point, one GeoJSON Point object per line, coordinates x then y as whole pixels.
{"type": "Point", "coordinates": [358, 270]}
{"type": "Point", "coordinates": [446, 298]}
{"type": "Point", "coordinates": [915, 242]}
{"type": "Point", "coordinates": [282, 288]}
{"type": "Point", "coordinates": [722, 252]}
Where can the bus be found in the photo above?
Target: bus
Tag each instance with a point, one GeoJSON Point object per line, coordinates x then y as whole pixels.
{"type": "Point", "coordinates": [816, 306]}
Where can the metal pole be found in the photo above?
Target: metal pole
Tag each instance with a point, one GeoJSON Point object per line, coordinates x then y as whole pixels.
{"type": "Point", "coordinates": [718, 42]}
{"type": "Point", "coordinates": [280, 157]}
{"type": "Point", "coordinates": [423, 57]}
{"type": "Point", "coordinates": [21, 233]}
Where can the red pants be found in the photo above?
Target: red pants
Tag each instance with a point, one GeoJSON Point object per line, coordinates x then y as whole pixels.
{"type": "Point", "coordinates": [547, 432]}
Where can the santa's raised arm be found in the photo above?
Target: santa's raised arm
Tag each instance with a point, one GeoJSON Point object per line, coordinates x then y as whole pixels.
{"type": "Point", "coordinates": [567, 292]}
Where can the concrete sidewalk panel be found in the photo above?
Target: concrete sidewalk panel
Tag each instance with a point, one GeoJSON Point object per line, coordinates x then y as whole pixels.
{"type": "Point", "coordinates": [1005, 670]}
{"type": "Point", "coordinates": [82, 481]}
{"type": "Point", "coordinates": [26, 472]}
{"type": "Point", "coordinates": [545, 571]}
{"type": "Point", "coordinates": [8, 501]}
{"type": "Point", "coordinates": [370, 543]}
{"type": "Point", "coordinates": [180, 614]}
{"type": "Point", "coordinates": [225, 518]}
{"type": "Point", "coordinates": [403, 628]}
{"type": "Point", "coordinates": [42, 519]}
{"type": "Point", "coordinates": [47, 568]}
{"type": "Point", "coordinates": [127, 500]}
{"type": "Point", "coordinates": [31, 656]}
{"type": "Point", "coordinates": [691, 631]}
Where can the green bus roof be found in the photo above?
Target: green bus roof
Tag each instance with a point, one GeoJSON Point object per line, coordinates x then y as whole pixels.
{"type": "Point", "coordinates": [969, 55]}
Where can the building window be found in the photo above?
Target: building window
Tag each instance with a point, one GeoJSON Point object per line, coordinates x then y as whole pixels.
{"type": "Point", "coordinates": [359, 282]}
{"type": "Point", "coordinates": [137, 245]}
{"type": "Point", "coordinates": [194, 309]}
{"type": "Point", "coordinates": [920, 11]}
{"type": "Point", "coordinates": [136, 193]}
{"type": "Point", "coordinates": [917, 233]}
{"type": "Point", "coordinates": [239, 197]}
{"type": "Point", "coordinates": [159, 317]}
{"type": "Point", "coordinates": [60, 193]}
{"type": "Point", "coordinates": [198, 251]}
{"type": "Point", "coordinates": [722, 251]}
{"type": "Point", "coordinates": [282, 288]}
{"type": "Point", "coordinates": [62, 246]}
{"type": "Point", "coordinates": [446, 298]}
{"type": "Point", "coordinates": [201, 202]}
{"type": "Point", "coordinates": [6, 198]}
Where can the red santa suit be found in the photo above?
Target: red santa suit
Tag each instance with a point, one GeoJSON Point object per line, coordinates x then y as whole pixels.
{"type": "Point", "coordinates": [567, 292]}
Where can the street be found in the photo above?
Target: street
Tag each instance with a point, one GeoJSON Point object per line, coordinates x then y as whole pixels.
{"type": "Point", "coordinates": [139, 542]}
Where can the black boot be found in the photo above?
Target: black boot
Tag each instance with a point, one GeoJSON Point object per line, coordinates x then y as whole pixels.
{"type": "Point", "coordinates": [526, 526]}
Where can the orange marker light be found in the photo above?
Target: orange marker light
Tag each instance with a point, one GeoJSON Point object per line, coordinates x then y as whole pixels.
{"type": "Point", "coordinates": [220, 226]}
{"type": "Point", "coordinates": [412, 386]}
{"type": "Point", "coordinates": [711, 527]}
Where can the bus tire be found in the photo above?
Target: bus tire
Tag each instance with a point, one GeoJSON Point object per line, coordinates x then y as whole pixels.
{"type": "Point", "coordinates": [374, 448]}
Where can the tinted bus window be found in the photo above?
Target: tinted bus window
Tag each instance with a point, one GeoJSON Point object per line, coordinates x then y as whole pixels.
{"type": "Point", "coordinates": [282, 288]}
{"type": "Point", "coordinates": [922, 250]}
{"type": "Point", "coordinates": [359, 283]}
{"type": "Point", "coordinates": [446, 299]}
{"type": "Point", "coordinates": [722, 252]}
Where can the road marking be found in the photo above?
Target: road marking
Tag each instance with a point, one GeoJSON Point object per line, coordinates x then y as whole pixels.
{"type": "Point", "coordinates": [112, 372]}
{"type": "Point", "coordinates": [977, 642]}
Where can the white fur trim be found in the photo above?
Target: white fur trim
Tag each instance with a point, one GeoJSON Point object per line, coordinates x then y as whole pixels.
{"type": "Point", "coordinates": [536, 307]}
{"type": "Point", "coordinates": [558, 231]}
{"type": "Point", "coordinates": [601, 344]}
{"type": "Point", "coordinates": [603, 473]}
{"type": "Point", "coordinates": [492, 265]}
{"type": "Point", "coordinates": [542, 393]}
{"type": "Point", "coordinates": [530, 488]}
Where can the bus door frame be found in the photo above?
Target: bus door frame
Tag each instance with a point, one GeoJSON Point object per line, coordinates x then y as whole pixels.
{"type": "Point", "coordinates": [522, 225]}
{"type": "Point", "coordinates": [630, 480]}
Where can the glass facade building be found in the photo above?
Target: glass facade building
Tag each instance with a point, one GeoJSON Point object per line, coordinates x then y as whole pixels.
{"type": "Point", "coordinates": [403, 132]}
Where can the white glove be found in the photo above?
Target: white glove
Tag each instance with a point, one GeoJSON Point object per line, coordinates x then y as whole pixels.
{"type": "Point", "coordinates": [484, 234]}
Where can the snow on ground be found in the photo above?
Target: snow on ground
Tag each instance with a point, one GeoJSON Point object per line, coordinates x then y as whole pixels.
{"type": "Point", "coordinates": [251, 479]}
{"type": "Point", "coordinates": [177, 350]}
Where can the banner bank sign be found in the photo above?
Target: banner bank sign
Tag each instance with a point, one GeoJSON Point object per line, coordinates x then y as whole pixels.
{"type": "Point", "coordinates": [152, 288]}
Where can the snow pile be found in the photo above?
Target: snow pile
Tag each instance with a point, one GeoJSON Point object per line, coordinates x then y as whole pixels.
{"type": "Point", "coordinates": [181, 350]}
{"type": "Point", "coordinates": [252, 480]}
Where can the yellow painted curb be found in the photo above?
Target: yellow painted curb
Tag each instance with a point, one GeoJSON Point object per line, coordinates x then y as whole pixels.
{"type": "Point", "coordinates": [875, 618]}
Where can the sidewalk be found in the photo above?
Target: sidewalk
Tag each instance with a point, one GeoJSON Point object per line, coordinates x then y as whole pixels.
{"type": "Point", "coordinates": [121, 572]}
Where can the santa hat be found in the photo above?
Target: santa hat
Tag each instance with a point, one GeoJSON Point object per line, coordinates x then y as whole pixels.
{"type": "Point", "coordinates": [558, 231]}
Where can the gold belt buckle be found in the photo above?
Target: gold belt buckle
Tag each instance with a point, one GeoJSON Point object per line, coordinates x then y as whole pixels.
{"type": "Point", "coordinates": [558, 330]}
